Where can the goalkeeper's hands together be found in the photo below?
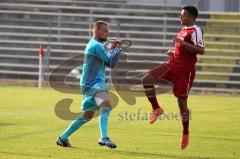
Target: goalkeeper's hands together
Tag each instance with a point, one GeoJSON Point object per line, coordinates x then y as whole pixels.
{"type": "Point", "coordinates": [115, 42]}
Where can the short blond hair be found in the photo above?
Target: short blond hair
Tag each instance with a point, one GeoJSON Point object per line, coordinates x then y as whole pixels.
{"type": "Point", "coordinates": [98, 24]}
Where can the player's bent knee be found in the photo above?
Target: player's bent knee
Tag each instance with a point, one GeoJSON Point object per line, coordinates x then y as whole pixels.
{"type": "Point", "coordinates": [88, 115]}
{"type": "Point", "coordinates": [147, 79]}
{"type": "Point", "coordinates": [105, 104]}
{"type": "Point", "coordinates": [144, 78]}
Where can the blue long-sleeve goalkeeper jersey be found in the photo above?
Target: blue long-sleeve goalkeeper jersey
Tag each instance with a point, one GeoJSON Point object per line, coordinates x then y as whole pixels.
{"type": "Point", "coordinates": [96, 57]}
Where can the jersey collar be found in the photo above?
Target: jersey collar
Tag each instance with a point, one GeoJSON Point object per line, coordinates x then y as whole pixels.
{"type": "Point", "coordinates": [189, 27]}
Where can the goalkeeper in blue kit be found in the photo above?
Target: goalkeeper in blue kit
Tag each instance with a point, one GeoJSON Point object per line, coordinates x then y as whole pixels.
{"type": "Point", "coordinates": [95, 96]}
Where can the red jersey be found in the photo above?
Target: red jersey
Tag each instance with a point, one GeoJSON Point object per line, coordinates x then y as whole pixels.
{"type": "Point", "coordinates": [183, 59]}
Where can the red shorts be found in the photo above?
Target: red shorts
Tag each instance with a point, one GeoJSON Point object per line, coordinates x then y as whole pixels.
{"type": "Point", "coordinates": [182, 81]}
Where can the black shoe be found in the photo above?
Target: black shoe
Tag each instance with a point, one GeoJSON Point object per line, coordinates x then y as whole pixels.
{"type": "Point", "coordinates": [62, 143]}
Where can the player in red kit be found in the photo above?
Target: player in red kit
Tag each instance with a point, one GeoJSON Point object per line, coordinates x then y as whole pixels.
{"type": "Point", "coordinates": [180, 69]}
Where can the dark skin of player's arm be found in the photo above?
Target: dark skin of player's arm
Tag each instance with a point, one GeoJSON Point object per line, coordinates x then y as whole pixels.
{"type": "Point", "coordinates": [192, 48]}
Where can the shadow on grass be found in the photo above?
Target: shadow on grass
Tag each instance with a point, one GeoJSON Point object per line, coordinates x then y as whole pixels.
{"type": "Point", "coordinates": [161, 155]}
{"type": "Point", "coordinates": [2, 124]}
{"type": "Point", "coordinates": [220, 110]}
{"type": "Point", "coordinates": [22, 154]}
{"type": "Point", "coordinates": [217, 138]}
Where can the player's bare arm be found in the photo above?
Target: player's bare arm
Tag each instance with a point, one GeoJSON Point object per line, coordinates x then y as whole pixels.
{"type": "Point", "coordinates": [192, 48]}
{"type": "Point", "coordinates": [170, 53]}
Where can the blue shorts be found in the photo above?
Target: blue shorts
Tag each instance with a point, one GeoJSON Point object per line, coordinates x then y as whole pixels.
{"type": "Point", "coordinates": [88, 103]}
{"type": "Point", "coordinates": [91, 101]}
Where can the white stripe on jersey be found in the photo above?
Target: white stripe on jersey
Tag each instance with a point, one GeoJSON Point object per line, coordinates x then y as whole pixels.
{"type": "Point", "coordinates": [197, 36]}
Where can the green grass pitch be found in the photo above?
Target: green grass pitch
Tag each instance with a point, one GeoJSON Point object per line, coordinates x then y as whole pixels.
{"type": "Point", "coordinates": [29, 128]}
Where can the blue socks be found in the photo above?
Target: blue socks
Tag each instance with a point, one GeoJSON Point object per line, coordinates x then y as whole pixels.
{"type": "Point", "coordinates": [76, 124]}
{"type": "Point", "coordinates": [103, 121]}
